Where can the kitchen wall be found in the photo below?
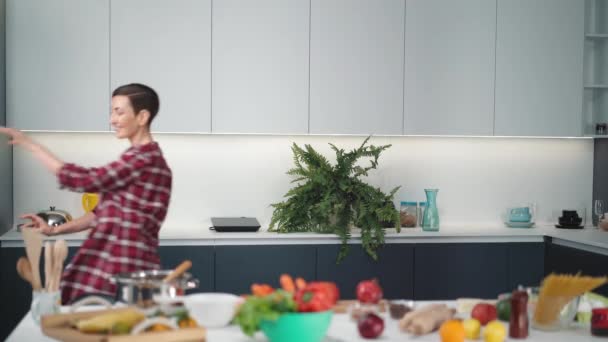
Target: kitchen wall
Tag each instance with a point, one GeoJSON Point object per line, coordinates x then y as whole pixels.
{"type": "Point", "coordinates": [6, 200]}
{"type": "Point", "coordinates": [241, 175]}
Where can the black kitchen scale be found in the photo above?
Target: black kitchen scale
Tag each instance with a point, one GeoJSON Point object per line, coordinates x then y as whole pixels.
{"type": "Point", "coordinates": [234, 224]}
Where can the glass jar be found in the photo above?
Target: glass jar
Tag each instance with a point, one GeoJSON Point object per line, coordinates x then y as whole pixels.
{"type": "Point", "coordinates": [408, 214]}
{"type": "Point", "coordinates": [421, 207]}
{"type": "Point", "coordinates": [44, 303]}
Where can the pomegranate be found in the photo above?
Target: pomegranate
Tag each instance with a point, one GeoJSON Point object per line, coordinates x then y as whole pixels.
{"type": "Point", "coordinates": [369, 292]}
{"type": "Point", "coordinates": [370, 325]}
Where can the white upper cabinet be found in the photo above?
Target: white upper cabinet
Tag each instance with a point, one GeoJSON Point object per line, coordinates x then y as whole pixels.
{"type": "Point", "coordinates": [449, 67]}
{"type": "Point", "coordinates": [356, 66]}
{"type": "Point", "coordinates": [57, 65]}
{"type": "Point", "coordinates": [166, 44]}
{"type": "Point", "coordinates": [539, 68]}
{"type": "Point", "coordinates": [260, 66]}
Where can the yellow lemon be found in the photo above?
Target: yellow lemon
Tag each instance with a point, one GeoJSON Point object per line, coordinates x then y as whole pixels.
{"type": "Point", "coordinates": [472, 327]}
{"type": "Point", "coordinates": [495, 332]}
{"type": "Point", "coordinates": [89, 201]}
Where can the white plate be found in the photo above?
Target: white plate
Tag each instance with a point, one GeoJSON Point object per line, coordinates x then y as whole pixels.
{"type": "Point", "coordinates": [519, 224]}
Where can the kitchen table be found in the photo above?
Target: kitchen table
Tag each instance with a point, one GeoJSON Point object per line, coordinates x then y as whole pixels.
{"type": "Point", "coordinates": [341, 329]}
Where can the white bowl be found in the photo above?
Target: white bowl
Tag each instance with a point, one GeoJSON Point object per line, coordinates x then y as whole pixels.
{"type": "Point", "coordinates": [212, 310]}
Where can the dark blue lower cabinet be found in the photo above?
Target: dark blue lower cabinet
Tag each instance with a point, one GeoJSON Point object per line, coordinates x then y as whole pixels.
{"type": "Point", "coordinates": [450, 271]}
{"type": "Point", "coordinates": [562, 259]}
{"type": "Point", "coordinates": [16, 293]}
{"type": "Point", "coordinates": [394, 269]}
{"type": "Point", "coordinates": [237, 267]}
{"type": "Point", "coordinates": [526, 264]}
{"type": "Point", "coordinates": [202, 258]}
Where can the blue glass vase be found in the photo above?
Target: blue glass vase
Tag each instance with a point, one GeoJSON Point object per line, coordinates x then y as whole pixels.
{"type": "Point", "coordinates": [430, 218]}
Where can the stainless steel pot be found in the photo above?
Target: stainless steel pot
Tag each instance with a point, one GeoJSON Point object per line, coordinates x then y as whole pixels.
{"type": "Point", "coordinates": [138, 288]}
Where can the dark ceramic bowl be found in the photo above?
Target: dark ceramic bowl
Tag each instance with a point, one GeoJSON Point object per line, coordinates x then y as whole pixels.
{"type": "Point", "coordinates": [569, 213]}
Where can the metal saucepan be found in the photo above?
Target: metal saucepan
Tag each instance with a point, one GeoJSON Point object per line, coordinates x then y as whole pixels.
{"type": "Point", "coordinates": [138, 288]}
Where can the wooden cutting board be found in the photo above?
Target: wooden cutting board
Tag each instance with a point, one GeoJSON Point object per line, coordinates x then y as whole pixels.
{"type": "Point", "coordinates": [343, 306]}
{"type": "Point", "coordinates": [59, 326]}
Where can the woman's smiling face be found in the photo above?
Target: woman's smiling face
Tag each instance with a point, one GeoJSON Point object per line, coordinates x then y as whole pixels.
{"type": "Point", "coordinates": [123, 119]}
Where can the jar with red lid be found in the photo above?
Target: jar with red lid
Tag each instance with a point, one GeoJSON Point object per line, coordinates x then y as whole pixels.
{"type": "Point", "coordinates": [599, 322]}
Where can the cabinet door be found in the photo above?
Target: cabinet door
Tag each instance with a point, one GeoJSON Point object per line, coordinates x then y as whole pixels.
{"type": "Point", "coordinates": [16, 293]}
{"type": "Point", "coordinates": [539, 68]}
{"type": "Point", "coordinates": [356, 66]}
{"type": "Point", "coordinates": [57, 65]}
{"type": "Point", "coordinates": [450, 271]}
{"type": "Point", "coordinates": [526, 264]}
{"type": "Point", "coordinates": [2, 63]}
{"type": "Point", "coordinates": [6, 157]}
{"type": "Point", "coordinates": [394, 269]}
{"type": "Point", "coordinates": [166, 45]}
{"type": "Point", "coordinates": [561, 259]}
{"type": "Point", "coordinates": [202, 258]}
{"type": "Point", "coordinates": [237, 267]}
{"type": "Point", "coordinates": [260, 66]}
{"type": "Point", "coordinates": [449, 67]}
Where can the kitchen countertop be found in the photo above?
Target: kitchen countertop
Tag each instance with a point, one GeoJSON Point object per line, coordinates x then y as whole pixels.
{"type": "Point", "coordinates": [590, 238]}
{"type": "Point", "coordinates": [340, 329]}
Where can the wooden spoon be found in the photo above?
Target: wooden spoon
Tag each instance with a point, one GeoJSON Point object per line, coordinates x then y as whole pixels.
{"type": "Point", "coordinates": [183, 267]}
{"type": "Point", "coordinates": [48, 265]}
{"type": "Point", "coordinates": [24, 269]}
{"type": "Point", "coordinates": [33, 248]}
{"type": "Point", "coordinates": [60, 253]}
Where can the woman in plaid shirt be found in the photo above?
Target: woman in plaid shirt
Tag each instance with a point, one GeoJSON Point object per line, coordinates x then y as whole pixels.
{"type": "Point", "coordinates": [134, 196]}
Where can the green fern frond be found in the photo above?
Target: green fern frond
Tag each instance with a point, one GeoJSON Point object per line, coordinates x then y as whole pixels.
{"type": "Point", "coordinates": [331, 198]}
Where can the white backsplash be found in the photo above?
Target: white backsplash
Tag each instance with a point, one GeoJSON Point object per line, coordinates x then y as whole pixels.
{"type": "Point", "coordinates": [241, 175]}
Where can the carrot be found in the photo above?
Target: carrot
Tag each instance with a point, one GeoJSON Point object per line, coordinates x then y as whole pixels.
{"type": "Point", "coordinates": [261, 289]}
{"type": "Point", "coordinates": [287, 283]}
{"type": "Point", "coordinates": [300, 283]}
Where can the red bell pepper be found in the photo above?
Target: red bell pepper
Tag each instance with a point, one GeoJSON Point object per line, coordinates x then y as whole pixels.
{"type": "Point", "coordinates": [329, 287]}
{"type": "Point", "coordinates": [316, 296]}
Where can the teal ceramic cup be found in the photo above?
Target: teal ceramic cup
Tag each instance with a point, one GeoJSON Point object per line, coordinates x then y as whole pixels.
{"type": "Point", "coordinates": [298, 327]}
{"type": "Point", "coordinates": [520, 215]}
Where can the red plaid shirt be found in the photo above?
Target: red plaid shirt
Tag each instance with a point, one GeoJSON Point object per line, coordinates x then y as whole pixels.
{"type": "Point", "coordinates": [134, 196]}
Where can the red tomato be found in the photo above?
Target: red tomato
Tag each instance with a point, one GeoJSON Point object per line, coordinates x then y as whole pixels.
{"type": "Point", "coordinates": [484, 313]}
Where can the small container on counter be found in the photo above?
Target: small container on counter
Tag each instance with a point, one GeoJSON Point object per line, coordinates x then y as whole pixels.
{"type": "Point", "coordinates": [408, 214]}
{"type": "Point", "coordinates": [421, 207]}
{"type": "Point", "coordinates": [599, 322]}
{"type": "Point", "coordinates": [398, 308]}
{"type": "Point", "coordinates": [519, 325]}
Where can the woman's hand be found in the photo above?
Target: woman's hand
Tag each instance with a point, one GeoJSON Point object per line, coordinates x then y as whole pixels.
{"type": "Point", "coordinates": [17, 137]}
{"type": "Point", "coordinates": [37, 222]}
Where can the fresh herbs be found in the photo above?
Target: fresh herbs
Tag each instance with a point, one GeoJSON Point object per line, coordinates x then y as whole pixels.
{"type": "Point", "coordinates": [256, 309]}
{"type": "Point", "coordinates": [332, 198]}
{"type": "Point", "coordinates": [268, 304]}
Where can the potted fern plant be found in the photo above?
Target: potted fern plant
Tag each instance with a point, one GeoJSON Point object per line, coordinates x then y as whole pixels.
{"type": "Point", "coordinates": [333, 198]}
